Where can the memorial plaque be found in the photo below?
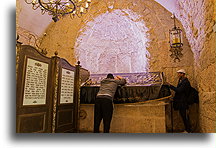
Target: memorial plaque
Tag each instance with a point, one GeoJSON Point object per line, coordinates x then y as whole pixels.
{"type": "Point", "coordinates": [35, 82]}
{"type": "Point", "coordinates": [67, 86]}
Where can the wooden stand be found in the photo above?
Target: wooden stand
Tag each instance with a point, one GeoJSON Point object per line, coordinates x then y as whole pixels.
{"type": "Point", "coordinates": [47, 93]}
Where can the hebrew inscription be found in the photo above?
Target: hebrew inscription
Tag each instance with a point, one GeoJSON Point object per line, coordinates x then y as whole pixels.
{"type": "Point", "coordinates": [35, 82]}
{"type": "Point", "coordinates": [67, 86]}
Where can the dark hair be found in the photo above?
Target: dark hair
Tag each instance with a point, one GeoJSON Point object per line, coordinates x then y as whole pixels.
{"type": "Point", "coordinates": [110, 76]}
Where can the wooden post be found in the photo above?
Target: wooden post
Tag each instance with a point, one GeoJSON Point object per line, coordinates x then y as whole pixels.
{"type": "Point", "coordinates": [77, 95]}
{"type": "Point", "coordinates": [55, 73]}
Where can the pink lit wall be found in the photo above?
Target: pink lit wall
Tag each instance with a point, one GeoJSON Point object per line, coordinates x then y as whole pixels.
{"type": "Point", "coordinates": [32, 20]}
{"type": "Point", "coordinates": [114, 42]}
{"type": "Point", "coordinates": [170, 5]}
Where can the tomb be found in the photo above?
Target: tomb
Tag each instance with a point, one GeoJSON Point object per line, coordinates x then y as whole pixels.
{"type": "Point", "coordinates": [139, 106]}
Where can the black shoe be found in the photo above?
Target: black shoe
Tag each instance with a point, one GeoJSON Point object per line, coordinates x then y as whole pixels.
{"type": "Point", "coordinates": [189, 130]}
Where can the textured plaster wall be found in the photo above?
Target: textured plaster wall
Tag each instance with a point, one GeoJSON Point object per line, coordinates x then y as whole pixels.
{"type": "Point", "coordinates": [198, 19]}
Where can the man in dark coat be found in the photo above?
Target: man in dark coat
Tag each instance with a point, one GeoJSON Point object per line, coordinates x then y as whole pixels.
{"type": "Point", "coordinates": [181, 96]}
{"type": "Point", "coordinates": [104, 102]}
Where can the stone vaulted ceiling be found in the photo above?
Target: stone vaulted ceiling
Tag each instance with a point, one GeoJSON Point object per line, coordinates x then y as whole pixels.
{"type": "Point", "coordinates": [35, 22]}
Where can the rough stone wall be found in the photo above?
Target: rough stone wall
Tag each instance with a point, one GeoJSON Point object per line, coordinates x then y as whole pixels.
{"type": "Point", "coordinates": [62, 36]}
{"type": "Point", "coordinates": [26, 37]}
{"type": "Point", "coordinates": [18, 9]}
{"type": "Point", "coordinates": [198, 19]}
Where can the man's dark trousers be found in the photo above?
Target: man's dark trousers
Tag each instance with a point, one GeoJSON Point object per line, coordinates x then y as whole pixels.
{"type": "Point", "coordinates": [186, 120]}
{"type": "Point", "coordinates": [103, 110]}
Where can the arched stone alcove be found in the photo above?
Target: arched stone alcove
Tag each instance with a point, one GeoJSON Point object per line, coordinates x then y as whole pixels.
{"type": "Point", "coordinates": [114, 42]}
{"type": "Point", "coordinates": [63, 35]}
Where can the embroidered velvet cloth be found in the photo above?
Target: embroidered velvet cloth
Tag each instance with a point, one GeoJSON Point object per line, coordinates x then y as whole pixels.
{"type": "Point", "coordinates": [126, 94]}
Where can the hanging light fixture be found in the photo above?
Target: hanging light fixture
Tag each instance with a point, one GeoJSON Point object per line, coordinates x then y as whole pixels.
{"type": "Point", "coordinates": [59, 8]}
{"type": "Point", "coordinates": [176, 41]}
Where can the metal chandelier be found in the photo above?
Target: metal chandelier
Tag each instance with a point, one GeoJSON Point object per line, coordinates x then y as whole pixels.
{"type": "Point", "coordinates": [59, 8]}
